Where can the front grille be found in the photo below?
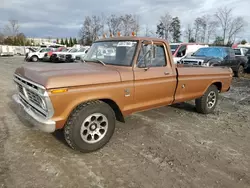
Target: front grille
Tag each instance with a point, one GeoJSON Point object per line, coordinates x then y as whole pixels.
{"type": "Point", "coordinates": [191, 62]}
{"type": "Point", "coordinates": [29, 93]}
{"type": "Point", "coordinates": [33, 97]}
{"type": "Point", "coordinates": [68, 56]}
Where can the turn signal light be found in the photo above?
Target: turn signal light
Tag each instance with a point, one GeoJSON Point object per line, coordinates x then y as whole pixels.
{"type": "Point", "coordinates": [118, 34]}
{"type": "Point", "coordinates": [133, 33]}
{"type": "Point", "coordinates": [59, 90]}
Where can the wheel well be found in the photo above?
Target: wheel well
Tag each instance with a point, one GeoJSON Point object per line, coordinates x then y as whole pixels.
{"type": "Point", "coordinates": [218, 85]}
{"type": "Point", "coordinates": [34, 56]}
{"type": "Point", "coordinates": [116, 109]}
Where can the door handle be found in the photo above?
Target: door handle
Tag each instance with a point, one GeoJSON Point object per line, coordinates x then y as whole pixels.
{"type": "Point", "coordinates": [166, 73]}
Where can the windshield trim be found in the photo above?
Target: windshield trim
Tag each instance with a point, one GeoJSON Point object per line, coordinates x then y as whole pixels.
{"type": "Point", "coordinates": [133, 57]}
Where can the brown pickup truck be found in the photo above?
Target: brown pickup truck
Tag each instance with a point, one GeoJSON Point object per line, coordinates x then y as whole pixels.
{"type": "Point", "coordinates": [86, 98]}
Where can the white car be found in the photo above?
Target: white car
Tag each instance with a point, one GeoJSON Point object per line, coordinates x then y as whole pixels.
{"type": "Point", "coordinates": [37, 55]}
{"type": "Point", "coordinates": [76, 55]}
{"type": "Point", "coordinates": [61, 56]}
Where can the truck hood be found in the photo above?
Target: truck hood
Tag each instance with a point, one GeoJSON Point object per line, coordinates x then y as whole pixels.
{"type": "Point", "coordinates": [199, 58]}
{"type": "Point", "coordinates": [68, 74]}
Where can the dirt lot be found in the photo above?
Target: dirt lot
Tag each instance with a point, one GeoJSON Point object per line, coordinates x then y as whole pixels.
{"type": "Point", "coordinates": [166, 147]}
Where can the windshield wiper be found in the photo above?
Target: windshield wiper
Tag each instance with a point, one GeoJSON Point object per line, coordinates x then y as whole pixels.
{"type": "Point", "coordinates": [96, 61]}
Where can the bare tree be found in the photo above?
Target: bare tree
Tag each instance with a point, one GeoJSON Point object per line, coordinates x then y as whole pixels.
{"type": "Point", "coordinates": [148, 32]}
{"type": "Point", "coordinates": [189, 32]}
{"type": "Point", "coordinates": [166, 21]}
{"type": "Point", "coordinates": [103, 22]}
{"type": "Point", "coordinates": [211, 29]}
{"type": "Point", "coordinates": [224, 16]}
{"type": "Point", "coordinates": [236, 26]}
{"type": "Point", "coordinates": [204, 24]}
{"type": "Point", "coordinates": [12, 28]}
{"type": "Point", "coordinates": [230, 25]}
{"type": "Point", "coordinates": [1, 38]}
{"type": "Point", "coordinates": [114, 24]}
{"type": "Point", "coordinates": [91, 28]}
{"type": "Point", "coordinates": [129, 24]}
{"type": "Point", "coordinates": [197, 28]}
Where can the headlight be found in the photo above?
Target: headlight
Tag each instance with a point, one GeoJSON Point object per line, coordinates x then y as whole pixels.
{"type": "Point", "coordinates": [43, 104]}
{"type": "Point", "coordinates": [206, 64]}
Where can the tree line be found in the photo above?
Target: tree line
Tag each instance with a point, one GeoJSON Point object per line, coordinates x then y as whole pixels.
{"type": "Point", "coordinates": [68, 42]}
{"type": "Point", "coordinates": [220, 28]}
{"type": "Point", "coordinates": [13, 36]}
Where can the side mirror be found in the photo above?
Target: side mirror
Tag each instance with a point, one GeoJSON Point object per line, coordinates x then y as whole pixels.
{"type": "Point", "coordinates": [86, 51]}
{"type": "Point", "coordinates": [153, 52]}
{"type": "Point", "coordinates": [226, 57]}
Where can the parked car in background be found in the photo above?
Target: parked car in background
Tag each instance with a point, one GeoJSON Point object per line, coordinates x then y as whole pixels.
{"type": "Point", "coordinates": [47, 56]}
{"type": "Point", "coordinates": [217, 56]}
{"type": "Point", "coordinates": [240, 51]}
{"type": "Point", "coordinates": [61, 56]}
{"type": "Point", "coordinates": [71, 57]}
{"type": "Point", "coordinates": [181, 50]}
{"type": "Point", "coordinates": [37, 55]}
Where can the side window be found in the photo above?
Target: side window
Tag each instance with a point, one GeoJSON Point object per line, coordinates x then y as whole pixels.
{"type": "Point", "coordinates": [248, 52]}
{"type": "Point", "coordinates": [160, 56]}
{"type": "Point", "coordinates": [158, 61]}
{"type": "Point", "coordinates": [182, 51]}
{"type": "Point", "coordinates": [231, 53]}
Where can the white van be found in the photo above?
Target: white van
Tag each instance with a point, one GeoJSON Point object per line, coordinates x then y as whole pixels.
{"type": "Point", "coordinates": [6, 50]}
{"type": "Point", "coordinates": [181, 50]}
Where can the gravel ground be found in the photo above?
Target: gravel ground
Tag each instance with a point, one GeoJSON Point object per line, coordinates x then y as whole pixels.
{"type": "Point", "coordinates": [166, 147]}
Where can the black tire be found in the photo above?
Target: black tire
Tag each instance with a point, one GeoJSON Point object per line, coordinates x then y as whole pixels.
{"type": "Point", "coordinates": [201, 103]}
{"type": "Point", "coordinates": [73, 129]}
{"type": "Point", "coordinates": [34, 58]}
{"type": "Point", "coordinates": [240, 72]}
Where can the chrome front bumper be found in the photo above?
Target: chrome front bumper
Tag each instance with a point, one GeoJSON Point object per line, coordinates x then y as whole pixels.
{"type": "Point", "coordinates": [45, 125]}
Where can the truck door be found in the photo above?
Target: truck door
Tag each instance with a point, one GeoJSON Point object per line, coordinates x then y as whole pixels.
{"type": "Point", "coordinates": [154, 83]}
{"type": "Point", "coordinates": [230, 59]}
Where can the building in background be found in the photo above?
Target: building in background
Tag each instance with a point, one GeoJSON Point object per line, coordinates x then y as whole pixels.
{"type": "Point", "coordinates": [40, 41]}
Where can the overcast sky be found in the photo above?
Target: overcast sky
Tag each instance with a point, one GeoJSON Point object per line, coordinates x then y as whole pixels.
{"type": "Point", "coordinates": [63, 18]}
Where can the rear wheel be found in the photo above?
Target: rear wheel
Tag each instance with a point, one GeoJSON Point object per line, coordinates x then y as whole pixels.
{"type": "Point", "coordinates": [207, 103]}
{"type": "Point", "coordinates": [240, 72]}
{"type": "Point", "coordinates": [90, 126]}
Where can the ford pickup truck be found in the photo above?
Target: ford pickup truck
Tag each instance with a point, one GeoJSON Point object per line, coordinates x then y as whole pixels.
{"type": "Point", "coordinates": [85, 99]}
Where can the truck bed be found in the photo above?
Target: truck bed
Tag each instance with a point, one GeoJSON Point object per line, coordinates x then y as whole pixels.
{"type": "Point", "coordinates": [192, 81]}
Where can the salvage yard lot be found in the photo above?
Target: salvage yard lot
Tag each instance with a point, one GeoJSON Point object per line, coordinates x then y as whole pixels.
{"type": "Point", "coordinates": [166, 147]}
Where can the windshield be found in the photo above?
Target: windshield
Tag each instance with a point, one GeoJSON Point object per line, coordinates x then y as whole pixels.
{"type": "Point", "coordinates": [210, 52]}
{"type": "Point", "coordinates": [73, 50]}
{"type": "Point", "coordinates": [119, 53]}
{"type": "Point", "coordinates": [174, 47]}
{"type": "Point", "coordinates": [64, 50]}
{"type": "Point", "coordinates": [82, 49]}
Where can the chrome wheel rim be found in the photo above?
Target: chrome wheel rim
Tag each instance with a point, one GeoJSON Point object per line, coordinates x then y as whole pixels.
{"type": "Point", "coordinates": [94, 128]}
{"type": "Point", "coordinates": [211, 99]}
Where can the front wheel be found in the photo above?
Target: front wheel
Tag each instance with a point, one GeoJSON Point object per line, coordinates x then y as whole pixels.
{"type": "Point", "coordinates": [90, 126]}
{"type": "Point", "coordinates": [207, 103]}
{"type": "Point", "coordinates": [34, 58]}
